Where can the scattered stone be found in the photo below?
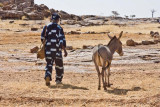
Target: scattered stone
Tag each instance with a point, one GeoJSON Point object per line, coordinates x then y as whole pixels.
{"type": "Point", "coordinates": [19, 30]}
{"type": "Point", "coordinates": [78, 30]}
{"type": "Point", "coordinates": [69, 48]}
{"type": "Point", "coordinates": [152, 33]}
{"type": "Point", "coordinates": [90, 32]}
{"type": "Point", "coordinates": [11, 21]}
{"type": "Point", "coordinates": [147, 42]}
{"type": "Point", "coordinates": [35, 15]}
{"type": "Point", "coordinates": [11, 14]}
{"type": "Point", "coordinates": [34, 50]}
{"type": "Point", "coordinates": [34, 29]}
{"type": "Point", "coordinates": [23, 24]}
{"type": "Point", "coordinates": [130, 43]}
{"type": "Point", "coordinates": [40, 63]}
{"type": "Point", "coordinates": [75, 32]}
{"type": "Point", "coordinates": [139, 33]}
{"type": "Point", "coordinates": [156, 61]}
{"type": "Point", "coordinates": [157, 41]}
{"type": "Point", "coordinates": [87, 47]}
{"type": "Point", "coordinates": [156, 33]}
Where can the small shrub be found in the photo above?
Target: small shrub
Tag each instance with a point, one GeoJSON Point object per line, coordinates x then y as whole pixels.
{"type": "Point", "coordinates": [24, 18]}
{"type": "Point", "coordinates": [1, 5]}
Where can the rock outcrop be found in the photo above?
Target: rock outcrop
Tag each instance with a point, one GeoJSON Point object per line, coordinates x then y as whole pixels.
{"type": "Point", "coordinates": [16, 9]}
{"type": "Point", "coordinates": [130, 42]}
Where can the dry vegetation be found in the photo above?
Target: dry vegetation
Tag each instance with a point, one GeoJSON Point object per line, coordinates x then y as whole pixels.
{"type": "Point", "coordinates": [21, 74]}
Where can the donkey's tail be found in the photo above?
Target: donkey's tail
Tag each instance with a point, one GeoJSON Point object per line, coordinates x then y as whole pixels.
{"type": "Point", "coordinates": [104, 68]}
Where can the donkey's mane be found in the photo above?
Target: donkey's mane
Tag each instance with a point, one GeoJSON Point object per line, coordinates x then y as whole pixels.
{"type": "Point", "coordinates": [111, 40]}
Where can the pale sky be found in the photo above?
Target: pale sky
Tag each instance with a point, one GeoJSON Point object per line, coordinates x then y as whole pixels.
{"type": "Point", "coordinates": [140, 8]}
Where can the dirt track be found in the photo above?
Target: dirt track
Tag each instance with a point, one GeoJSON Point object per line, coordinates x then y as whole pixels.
{"type": "Point", "coordinates": [135, 76]}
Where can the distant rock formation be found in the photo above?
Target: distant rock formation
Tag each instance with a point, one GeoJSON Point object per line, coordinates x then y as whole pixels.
{"type": "Point", "coordinates": [16, 9]}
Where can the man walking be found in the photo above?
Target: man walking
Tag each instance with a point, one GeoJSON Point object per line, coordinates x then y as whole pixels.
{"type": "Point", "coordinates": [54, 43]}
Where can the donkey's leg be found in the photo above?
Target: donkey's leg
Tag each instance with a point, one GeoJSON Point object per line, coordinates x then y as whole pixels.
{"type": "Point", "coordinates": [108, 76]}
{"type": "Point", "coordinates": [99, 75]}
{"type": "Point", "coordinates": [104, 85]}
{"type": "Point", "coordinates": [105, 75]}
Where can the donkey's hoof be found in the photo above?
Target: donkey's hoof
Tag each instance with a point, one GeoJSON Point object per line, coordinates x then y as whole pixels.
{"type": "Point", "coordinates": [105, 88]}
{"type": "Point", "coordinates": [109, 85]}
{"type": "Point", "coordinates": [99, 88]}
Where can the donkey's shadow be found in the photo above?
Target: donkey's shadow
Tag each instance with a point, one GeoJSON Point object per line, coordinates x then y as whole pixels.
{"type": "Point", "coordinates": [117, 91]}
{"type": "Point", "coordinates": [68, 86]}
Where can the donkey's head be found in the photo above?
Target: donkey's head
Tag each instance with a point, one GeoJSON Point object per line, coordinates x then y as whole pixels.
{"type": "Point", "coordinates": [116, 43]}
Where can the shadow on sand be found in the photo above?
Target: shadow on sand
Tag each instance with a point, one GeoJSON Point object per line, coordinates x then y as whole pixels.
{"type": "Point", "coordinates": [68, 86]}
{"type": "Point", "coordinates": [123, 91]}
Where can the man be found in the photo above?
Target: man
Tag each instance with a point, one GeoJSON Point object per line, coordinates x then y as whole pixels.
{"type": "Point", "coordinates": [55, 41]}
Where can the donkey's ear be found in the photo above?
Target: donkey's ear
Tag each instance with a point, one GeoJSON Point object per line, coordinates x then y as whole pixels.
{"type": "Point", "coordinates": [109, 36]}
{"type": "Point", "coordinates": [120, 35]}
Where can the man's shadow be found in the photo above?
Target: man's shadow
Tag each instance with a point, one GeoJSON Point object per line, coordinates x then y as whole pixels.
{"type": "Point", "coordinates": [117, 91]}
{"type": "Point", "coordinates": [68, 86]}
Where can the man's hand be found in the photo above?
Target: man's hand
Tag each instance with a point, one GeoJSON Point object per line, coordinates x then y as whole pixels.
{"type": "Point", "coordinates": [65, 53]}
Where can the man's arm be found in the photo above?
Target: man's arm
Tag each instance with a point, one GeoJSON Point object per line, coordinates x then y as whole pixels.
{"type": "Point", "coordinates": [43, 34]}
{"type": "Point", "coordinates": [63, 42]}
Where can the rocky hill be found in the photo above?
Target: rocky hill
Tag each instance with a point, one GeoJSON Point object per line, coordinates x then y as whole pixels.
{"type": "Point", "coordinates": [27, 9]}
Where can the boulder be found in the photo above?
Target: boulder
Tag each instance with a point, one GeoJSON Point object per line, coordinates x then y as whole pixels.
{"type": "Point", "coordinates": [8, 7]}
{"type": "Point", "coordinates": [152, 33]}
{"type": "Point", "coordinates": [90, 32]}
{"type": "Point", "coordinates": [75, 32]}
{"type": "Point", "coordinates": [156, 33]}
{"type": "Point", "coordinates": [12, 14]}
{"type": "Point", "coordinates": [11, 21]}
{"type": "Point", "coordinates": [35, 15]}
{"type": "Point", "coordinates": [22, 6]}
{"type": "Point", "coordinates": [69, 47]}
{"type": "Point", "coordinates": [46, 13]}
{"type": "Point", "coordinates": [53, 11]}
{"type": "Point", "coordinates": [64, 15]}
{"type": "Point", "coordinates": [156, 41]}
{"type": "Point", "coordinates": [140, 33]}
{"type": "Point", "coordinates": [130, 43]}
{"type": "Point", "coordinates": [34, 29]}
{"type": "Point", "coordinates": [43, 7]}
{"type": "Point", "coordinates": [87, 47]}
{"type": "Point", "coordinates": [5, 2]}
{"type": "Point", "coordinates": [28, 10]}
{"type": "Point", "coordinates": [147, 42]}
{"type": "Point", "coordinates": [30, 3]}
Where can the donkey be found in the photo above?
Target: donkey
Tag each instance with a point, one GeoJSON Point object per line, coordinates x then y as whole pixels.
{"type": "Point", "coordinates": [103, 55]}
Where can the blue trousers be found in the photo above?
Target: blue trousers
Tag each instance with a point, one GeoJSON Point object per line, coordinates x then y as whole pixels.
{"type": "Point", "coordinates": [57, 58]}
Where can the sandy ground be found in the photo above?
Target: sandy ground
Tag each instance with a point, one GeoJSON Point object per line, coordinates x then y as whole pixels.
{"type": "Point", "coordinates": [135, 76]}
